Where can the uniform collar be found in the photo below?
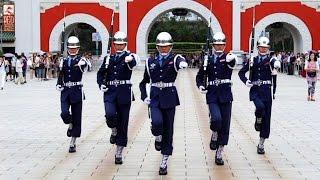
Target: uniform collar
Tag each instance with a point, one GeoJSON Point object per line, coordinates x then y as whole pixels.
{"type": "Point", "coordinates": [164, 57]}
{"type": "Point", "coordinates": [72, 57]}
{"type": "Point", "coordinates": [262, 57]}
{"type": "Point", "coordinates": [217, 55]}
{"type": "Point", "coordinates": [120, 54]}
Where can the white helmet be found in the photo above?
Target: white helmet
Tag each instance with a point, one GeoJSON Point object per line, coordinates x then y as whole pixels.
{"type": "Point", "coordinates": [219, 38]}
{"type": "Point", "coordinates": [73, 42]}
{"type": "Point", "coordinates": [263, 42]}
{"type": "Point", "coordinates": [164, 39]}
{"type": "Point", "coordinates": [120, 38]}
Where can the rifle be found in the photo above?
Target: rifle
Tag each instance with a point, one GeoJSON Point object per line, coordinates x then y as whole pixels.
{"type": "Point", "coordinates": [63, 33]}
{"type": "Point", "coordinates": [60, 76]}
{"type": "Point", "coordinates": [207, 51]}
{"type": "Point", "coordinates": [109, 48]}
{"type": "Point", "coordinates": [252, 45]}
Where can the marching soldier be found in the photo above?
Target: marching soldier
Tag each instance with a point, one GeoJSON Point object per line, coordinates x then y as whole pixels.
{"type": "Point", "coordinates": [218, 92]}
{"type": "Point", "coordinates": [113, 79]}
{"type": "Point", "coordinates": [70, 85]}
{"type": "Point", "coordinates": [260, 81]}
{"type": "Point", "coordinates": [161, 72]}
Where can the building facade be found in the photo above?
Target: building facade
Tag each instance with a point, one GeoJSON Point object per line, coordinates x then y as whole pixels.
{"type": "Point", "coordinates": [39, 23]}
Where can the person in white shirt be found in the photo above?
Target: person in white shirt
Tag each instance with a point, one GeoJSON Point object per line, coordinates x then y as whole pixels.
{"type": "Point", "coordinates": [279, 57]}
{"type": "Point", "coordinates": [37, 64]}
{"type": "Point", "coordinates": [274, 73]}
{"type": "Point", "coordinates": [13, 67]}
{"type": "Point", "coordinates": [19, 65]}
{"type": "Point", "coordinates": [3, 73]}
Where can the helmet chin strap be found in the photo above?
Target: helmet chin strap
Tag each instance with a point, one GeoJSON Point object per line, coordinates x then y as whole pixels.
{"type": "Point", "coordinates": [73, 54]}
{"type": "Point", "coordinates": [164, 54]}
{"type": "Point", "coordinates": [264, 54]}
{"type": "Point", "coordinates": [218, 51]}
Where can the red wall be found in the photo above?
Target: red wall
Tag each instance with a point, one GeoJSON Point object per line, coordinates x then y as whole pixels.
{"type": "Point", "coordinates": [221, 9]}
{"type": "Point", "coordinates": [52, 16]}
{"type": "Point", "coordinates": [138, 8]}
{"type": "Point", "coordinates": [308, 15]}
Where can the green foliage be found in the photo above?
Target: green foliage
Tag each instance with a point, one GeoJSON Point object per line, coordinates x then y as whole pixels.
{"type": "Point", "coordinates": [181, 30]}
{"type": "Point", "coordinates": [180, 47]}
{"type": "Point", "coordinates": [280, 39]}
{"type": "Point", "coordinates": [84, 33]}
{"type": "Point", "coordinates": [189, 36]}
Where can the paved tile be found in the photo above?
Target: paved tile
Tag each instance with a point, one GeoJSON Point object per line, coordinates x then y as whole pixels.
{"type": "Point", "coordinates": [33, 144]}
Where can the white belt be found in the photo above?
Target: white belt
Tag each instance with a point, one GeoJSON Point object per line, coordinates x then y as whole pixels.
{"type": "Point", "coordinates": [162, 84]}
{"type": "Point", "coordinates": [260, 82]}
{"type": "Point", "coordinates": [217, 82]}
{"type": "Point", "coordinates": [71, 84]}
{"type": "Point", "coordinates": [118, 82]}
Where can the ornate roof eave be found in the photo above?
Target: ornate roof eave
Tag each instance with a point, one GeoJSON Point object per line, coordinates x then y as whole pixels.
{"type": "Point", "coordinates": [246, 4]}
{"type": "Point", "coordinates": [110, 4]}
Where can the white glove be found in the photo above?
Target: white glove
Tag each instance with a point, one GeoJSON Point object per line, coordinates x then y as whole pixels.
{"type": "Point", "coordinates": [59, 88]}
{"type": "Point", "coordinates": [147, 100]}
{"type": "Point", "coordinates": [103, 88]}
{"type": "Point", "coordinates": [128, 59]}
{"type": "Point", "coordinates": [277, 64]}
{"type": "Point", "coordinates": [249, 83]}
{"type": "Point", "coordinates": [203, 90]}
{"type": "Point", "coordinates": [81, 62]}
{"type": "Point", "coordinates": [230, 57]}
{"type": "Point", "coordinates": [183, 64]}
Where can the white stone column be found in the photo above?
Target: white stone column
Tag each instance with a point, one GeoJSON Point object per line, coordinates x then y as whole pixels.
{"type": "Point", "coordinates": [35, 27]}
{"type": "Point", "coordinates": [123, 13]}
{"type": "Point", "coordinates": [23, 31]}
{"type": "Point", "coordinates": [27, 28]}
{"type": "Point", "coordinates": [236, 26]}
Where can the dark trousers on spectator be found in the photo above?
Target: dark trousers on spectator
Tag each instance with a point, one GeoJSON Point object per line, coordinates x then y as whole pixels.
{"type": "Point", "coordinates": [274, 83]}
{"type": "Point", "coordinates": [24, 72]}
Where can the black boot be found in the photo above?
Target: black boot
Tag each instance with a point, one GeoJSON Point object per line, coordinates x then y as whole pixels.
{"type": "Point", "coordinates": [158, 143]}
{"type": "Point", "coordinates": [112, 139]}
{"type": "Point", "coordinates": [258, 124]}
{"type": "Point", "coordinates": [163, 171]}
{"type": "Point", "coordinates": [213, 145]}
{"type": "Point", "coordinates": [213, 141]}
{"type": "Point", "coordinates": [219, 161]}
{"type": "Point", "coordinates": [218, 157]}
{"type": "Point", "coordinates": [118, 155]}
{"type": "Point", "coordinates": [118, 160]}
{"type": "Point", "coordinates": [113, 135]}
{"type": "Point", "coordinates": [69, 130]}
{"type": "Point", "coordinates": [164, 165]}
{"type": "Point", "coordinates": [260, 150]}
{"type": "Point", "coordinates": [72, 149]}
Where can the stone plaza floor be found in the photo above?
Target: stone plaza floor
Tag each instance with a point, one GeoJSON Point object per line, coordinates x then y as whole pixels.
{"type": "Point", "coordinates": [34, 145]}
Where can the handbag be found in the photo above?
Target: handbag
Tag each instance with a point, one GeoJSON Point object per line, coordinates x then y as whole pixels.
{"type": "Point", "coordinates": [312, 74]}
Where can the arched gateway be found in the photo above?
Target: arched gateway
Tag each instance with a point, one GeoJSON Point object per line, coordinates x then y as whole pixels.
{"type": "Point", "coordinates": [43, 20]}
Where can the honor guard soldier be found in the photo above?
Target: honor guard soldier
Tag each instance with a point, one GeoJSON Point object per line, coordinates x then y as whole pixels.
{"type": "Point", "coordinates": [161, 72]}
{"type": "Point", "coordinates": [214, 80]}
{"type": "Point", "coordinates": [260, 81]}
{"type": "Point", "coordinates": [70, 85]}
{"type": "Point", "coordinates": [113, 79]}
